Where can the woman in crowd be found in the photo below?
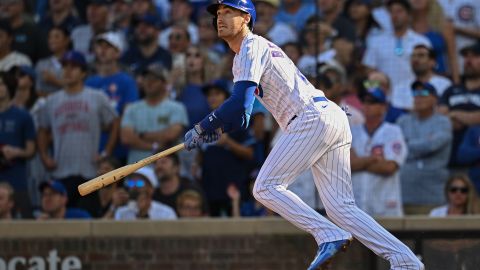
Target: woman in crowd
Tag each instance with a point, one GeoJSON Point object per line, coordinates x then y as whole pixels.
{"type": "Point", "coordinates": [428, 19]}
{"type": "Point", "coordinates": [198, 71]}
{"type": "Point", "coordinates": [461, 198]}
{"type": "Point", "coordinates": [360, 13]}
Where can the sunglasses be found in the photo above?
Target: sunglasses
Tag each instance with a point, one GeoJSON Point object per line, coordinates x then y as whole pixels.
{"type": "Point", "coordinates": [421, 93]}
{"type": "Point", "coordinates": [134, 183]}
{"type": "Point", "coordinates": [462, 190]}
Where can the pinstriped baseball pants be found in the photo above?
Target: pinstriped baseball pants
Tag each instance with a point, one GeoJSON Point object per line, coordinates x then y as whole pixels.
{"type": "Point", "coordinates": [319, 139]}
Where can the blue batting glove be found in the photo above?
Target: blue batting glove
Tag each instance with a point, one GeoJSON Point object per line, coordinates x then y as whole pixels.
{"type": "Point", "coordinates": [193, 138]}
{"type": "Point", "coordinates": [211, 137]}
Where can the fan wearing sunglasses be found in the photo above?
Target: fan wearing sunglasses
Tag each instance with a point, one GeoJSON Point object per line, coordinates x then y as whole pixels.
{"type": "Point", "coordinates": [428, 135]}
{"type": "Point", "coordinates": [140, 186]}
{"type": "Point", "coordinates": [461, 198]}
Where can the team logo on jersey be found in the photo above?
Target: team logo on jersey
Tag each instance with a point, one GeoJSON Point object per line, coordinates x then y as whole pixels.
{"type": "Point", "coordinates": [466, 13]}
{"type": "Point", "coordinates": [397, 148]}
{"type": "Point", "coordinates": [277, 54]}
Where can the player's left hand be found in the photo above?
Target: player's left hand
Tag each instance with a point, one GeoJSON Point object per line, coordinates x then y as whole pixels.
{"type": "Point", "coordinates": [196, 137]}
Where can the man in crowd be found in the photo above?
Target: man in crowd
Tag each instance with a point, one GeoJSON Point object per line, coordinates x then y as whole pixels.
{"type": "Point", "coordinates": [97, 17]}
{"type": "Point", "coordinates": [276, 31]}
{"type": "Point", "coordinates": [54, 203]}
{"type": "Point", "coordinates": [390, 52]}
{"type": "Point", "coordinates": [154, 122]}
{"type": "Point", "coordinates": [377, 154]}
{"type": "Point", "coordinates": [27, 37]}
{"type": "Point", "coordinates": [141, 185]}
{"type": "Point", "coordinates": [171, 184]}
{"type": "Point", "coordinates": [75, 117]}
{"type": "Point", "coordinates": [428, 135]}
{"type": "Point", "coordinates": [462, 102]}
{"type": "Point", "coordinates": [145, 50]}
{"type": "Point", "coordinates": [10, 58]}
{"type": "Point", "coordinates": [17, 143]}
{"type": "Point", "coordinates": [119, 86]}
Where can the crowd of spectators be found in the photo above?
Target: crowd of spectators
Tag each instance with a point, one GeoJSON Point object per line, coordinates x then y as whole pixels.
{"type": "Point", "coordinates": [89, 86]}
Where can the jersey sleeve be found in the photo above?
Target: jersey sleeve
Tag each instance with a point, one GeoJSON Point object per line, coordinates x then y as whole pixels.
{"type": "Point", "coordinates": [395, 147]}
{"type": "Point", "coordinates": [250, 62]}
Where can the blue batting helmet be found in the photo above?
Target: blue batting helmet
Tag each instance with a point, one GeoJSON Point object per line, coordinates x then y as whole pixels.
{"type": "Point", "coordinates": [242, 5]}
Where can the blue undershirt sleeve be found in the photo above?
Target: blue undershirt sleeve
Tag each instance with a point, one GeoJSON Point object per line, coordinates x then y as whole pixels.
{"type": "Point", "coordinates": [235, 112]}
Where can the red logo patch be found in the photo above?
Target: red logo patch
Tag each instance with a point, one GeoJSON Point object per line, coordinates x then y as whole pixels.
{"type": "Point", "coordinates": [397, 147]}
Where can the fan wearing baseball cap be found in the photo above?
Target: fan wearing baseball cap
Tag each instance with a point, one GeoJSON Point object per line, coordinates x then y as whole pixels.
{"type": "Point", "coordinates": [378, 152]}
{"type": "Point", "coordinates": [119, 86]}
{"type": "Point", "coordinates": [429, 136]}
{"type": "Point", "coordinates": [54, 203]}
{"type": "Point", "coordinates": [461, 102]}
{"type": "Point", "coordinates": [75, 117]}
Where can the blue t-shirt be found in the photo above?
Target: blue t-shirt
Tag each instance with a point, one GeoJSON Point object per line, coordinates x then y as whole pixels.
{"type": "Point", "coordinates": [221, 167]}
{"type": "Point", "coordinates": [298, 19]}
{"type": "Point", "coordinates": [439, 46]}
{"type": "Point", "coordinates": [76, 213]}
{"type": "Point", "coordinates": [137, 63]}
{"type": "Point", "coordinates": [196, 103]}
{"type": "Point", "coordinates": [121, 89]}
{"type": "Point", "coordinates": [16, 128]}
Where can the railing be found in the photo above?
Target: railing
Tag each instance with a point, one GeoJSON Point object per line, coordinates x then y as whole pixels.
{"type": "Point", "coordinates": [269, 243]}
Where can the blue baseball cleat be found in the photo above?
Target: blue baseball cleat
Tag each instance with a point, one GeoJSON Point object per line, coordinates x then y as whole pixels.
{"type": "Point", "coordinates": [326, 251]}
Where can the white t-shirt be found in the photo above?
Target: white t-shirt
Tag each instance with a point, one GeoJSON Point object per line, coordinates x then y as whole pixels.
{"type": "Point", "coordinates": [391, 56]}
{"type": "Point", "coordinates": [441, 211]}
{"type": "Point", "coordinates": [14, 59]}
{"type": "Point", "coordinates": [282, 33]}
{"type": "Point", "coordinates": [402, 95]}
{"type": "Point", "coordinates": [465, 14]}
{"type": "Point", "coordinates": [157, 211]}
{"type": "Point", "coordinates": [376, 194]}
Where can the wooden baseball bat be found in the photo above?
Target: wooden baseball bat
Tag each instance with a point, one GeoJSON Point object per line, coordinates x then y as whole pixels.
{"type": "Point", "coordinates": [117, 174]}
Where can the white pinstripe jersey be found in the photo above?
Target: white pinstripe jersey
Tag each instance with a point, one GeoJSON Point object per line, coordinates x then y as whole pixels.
{"type": "Point", "coordinates": [283, 89]}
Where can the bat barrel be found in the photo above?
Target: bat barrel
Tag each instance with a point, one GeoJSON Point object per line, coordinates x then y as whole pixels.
{"type": "Point", "coordinates": [117, 174]}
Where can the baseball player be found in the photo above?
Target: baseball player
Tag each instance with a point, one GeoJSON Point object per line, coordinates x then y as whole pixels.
{"type": "Point", "coordinates": [316, 135]}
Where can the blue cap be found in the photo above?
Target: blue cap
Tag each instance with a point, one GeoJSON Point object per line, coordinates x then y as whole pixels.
{"type": "Point", "coordinates": [418, 85]}
{"type": "Point", "coordinates": [28, 70]}
{"type": "Point", "coordinates": [56, 186]}
{"type": "Point", "coordinates": [149, 19]}
{"type": "Point", "coordinates": [375, 95]}
{"type": "Point", "coordinates": [74, 57]}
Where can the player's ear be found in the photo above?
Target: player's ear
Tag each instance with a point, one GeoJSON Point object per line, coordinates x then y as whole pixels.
{"type": "Point", "coordinates": [247, 18]}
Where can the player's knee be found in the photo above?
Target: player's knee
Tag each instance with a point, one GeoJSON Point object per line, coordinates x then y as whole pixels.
{"type": "Point", "coordinates": [259, 191]}
{"type": "Point", "coordinates": [419, 265]}
{"type": "Point", "coordinates": [263, 192]}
